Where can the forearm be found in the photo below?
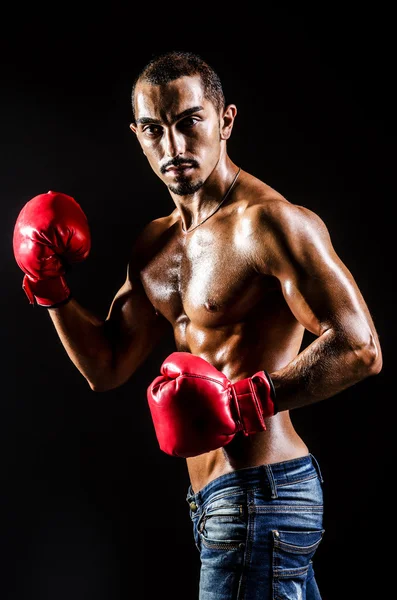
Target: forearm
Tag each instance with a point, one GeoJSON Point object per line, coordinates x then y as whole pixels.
{"type": "Point", "coordinates": [329, 365]}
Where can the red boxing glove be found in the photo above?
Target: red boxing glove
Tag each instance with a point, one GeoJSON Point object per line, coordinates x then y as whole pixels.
{"type": "Point", "coordinates": [195, 408]}
{"type": "Point", "coordinates": [50, 233]}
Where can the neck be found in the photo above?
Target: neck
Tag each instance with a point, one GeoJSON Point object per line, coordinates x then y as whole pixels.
{"type": "Point", "coordinates": [197, 208]}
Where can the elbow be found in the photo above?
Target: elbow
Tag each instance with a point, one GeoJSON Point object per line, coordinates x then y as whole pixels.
{"type": "Point", "coordinates": [369, 357]}
{"type": "Point", "coordinates": [103, 376]}
{"type": "Point", "coordinates": [100, 383]}
{"type": "Point", "coordinates": [105, 381]}
{"type": "Point", "coordinates": [102, 386]}
{"type": "Point", "coordinates": [96, 386]}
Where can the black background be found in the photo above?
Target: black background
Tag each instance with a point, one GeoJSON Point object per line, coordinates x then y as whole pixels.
{"type": "Point", "coordinates": [90, 507]}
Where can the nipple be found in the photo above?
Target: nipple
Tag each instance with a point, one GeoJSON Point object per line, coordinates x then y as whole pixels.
{"type": "Point", "coordinates": [211, 306]}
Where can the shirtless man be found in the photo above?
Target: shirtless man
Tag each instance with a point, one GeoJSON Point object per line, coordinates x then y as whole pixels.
{"type": "Point", "coordinates": [239, 273]}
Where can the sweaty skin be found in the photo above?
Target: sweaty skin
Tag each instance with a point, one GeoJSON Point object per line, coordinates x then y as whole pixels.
{"type": "Point", "coordinates": [238, 290]}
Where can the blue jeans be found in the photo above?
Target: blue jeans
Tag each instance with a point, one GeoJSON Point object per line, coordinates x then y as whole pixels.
{"type": "Point", "coordinates": [257, 530]}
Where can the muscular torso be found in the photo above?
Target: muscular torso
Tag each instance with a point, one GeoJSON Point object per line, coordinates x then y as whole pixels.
{"type": "Point", "coordinates": [206, 284]}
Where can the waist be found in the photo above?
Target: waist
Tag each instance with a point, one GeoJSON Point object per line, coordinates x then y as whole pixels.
{"type": "Point", "coordinates": [278, 473]}
{"type": "Point", "coordinates": [279, 443]}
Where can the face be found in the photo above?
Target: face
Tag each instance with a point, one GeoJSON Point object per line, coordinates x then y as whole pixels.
{"type": "Point", "coordinates": [180, 132]}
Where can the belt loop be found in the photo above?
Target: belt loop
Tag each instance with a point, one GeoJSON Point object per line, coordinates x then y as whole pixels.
{"type": "Point", "coordinates": [271, 481]}
{"type": "Point", "coordinates": [317, 466]}
{"type": "Point", "coordinates": [189, 494]}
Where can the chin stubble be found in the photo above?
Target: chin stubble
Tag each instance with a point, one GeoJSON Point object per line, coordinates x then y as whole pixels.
{"type": "Point", "coordinates": [185, 188]}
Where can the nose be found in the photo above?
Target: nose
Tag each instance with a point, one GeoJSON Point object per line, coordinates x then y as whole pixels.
{"type": "Point", "coordinates": [174, 143]}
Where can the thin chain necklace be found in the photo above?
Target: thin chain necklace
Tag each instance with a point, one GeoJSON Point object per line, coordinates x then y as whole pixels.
{"type": "Point", "coordinates": [218, 207]}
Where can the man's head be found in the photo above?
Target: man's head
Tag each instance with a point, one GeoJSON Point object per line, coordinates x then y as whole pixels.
{"type": "Point", "coordinates": [173, 65]}
{"type": "Point", "coordinates": [180, 119]}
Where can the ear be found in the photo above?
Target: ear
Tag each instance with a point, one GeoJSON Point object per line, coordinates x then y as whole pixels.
{"type": "Point", "coordinates": [227, 121]}
{"type": "Point", "coordinates": [134, 129]}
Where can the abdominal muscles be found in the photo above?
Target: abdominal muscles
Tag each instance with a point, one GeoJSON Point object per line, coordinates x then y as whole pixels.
{"type": "Point", "coordinates": [266, 340]}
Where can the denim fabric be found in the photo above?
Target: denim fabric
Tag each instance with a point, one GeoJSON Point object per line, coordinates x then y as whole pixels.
{"type": "Point", "coordinates": [257, 530]}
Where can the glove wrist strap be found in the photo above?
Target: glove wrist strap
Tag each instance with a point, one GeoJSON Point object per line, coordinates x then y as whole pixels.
{"type": "Point", "coordinates": [254, 400]}
{"type": "Point", "coordinates": [48, 293]}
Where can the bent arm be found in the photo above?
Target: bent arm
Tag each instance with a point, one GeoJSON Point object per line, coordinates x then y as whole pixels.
{"type": "Point", "coordinates": [324, 297]}
{"type": "Point", "coordinates": [108, 351]}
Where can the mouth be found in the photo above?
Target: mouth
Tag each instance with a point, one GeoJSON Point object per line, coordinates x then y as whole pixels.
{"type": "Point", "coordinates": [177, 170]}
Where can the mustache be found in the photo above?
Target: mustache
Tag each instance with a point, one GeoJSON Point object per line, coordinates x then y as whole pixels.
{"type": "Point", "coordinates": [176, 162]}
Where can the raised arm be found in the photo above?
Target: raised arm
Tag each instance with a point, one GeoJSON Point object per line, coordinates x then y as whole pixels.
{"type": "Point", "coordinates": [51, 233]}
{"type": "Point", "coordinates": [324, 297]}
{"type": "Point", "coordinates": [108, 351]}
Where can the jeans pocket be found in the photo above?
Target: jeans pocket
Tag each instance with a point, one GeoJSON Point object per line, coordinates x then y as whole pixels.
{"type": "Point", "coordinates": [292, 555]}
{"type": "Point", "coordinates": [223, 528]}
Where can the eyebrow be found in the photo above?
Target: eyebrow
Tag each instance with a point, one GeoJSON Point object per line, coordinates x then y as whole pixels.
{"type": "Point", "coordinates": [184, 113]}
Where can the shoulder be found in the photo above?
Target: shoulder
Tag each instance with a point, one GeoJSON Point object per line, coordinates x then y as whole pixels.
{"type": "Point", "coordinates": [277, 228]}
{"type": "Point", "coordinates": [149, 241]}
{"type": "Point", "coordinates": [267, 210]}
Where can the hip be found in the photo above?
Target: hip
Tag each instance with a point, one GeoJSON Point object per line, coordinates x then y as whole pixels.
{"type": "Point", "coordinates": [259, 528]}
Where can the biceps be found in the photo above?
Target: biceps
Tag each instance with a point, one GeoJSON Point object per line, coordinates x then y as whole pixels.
{"type": "Point", "coordinates": [132, 316]}
{"type": "Point", "coordinates": [324, 296]}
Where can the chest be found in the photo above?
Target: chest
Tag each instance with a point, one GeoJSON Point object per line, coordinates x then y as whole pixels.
{"type": "Point", "coordinates": [205, 277]}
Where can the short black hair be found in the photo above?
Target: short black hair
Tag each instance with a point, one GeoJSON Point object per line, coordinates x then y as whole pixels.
{"type": "Point", "coordinates": [166, 67]}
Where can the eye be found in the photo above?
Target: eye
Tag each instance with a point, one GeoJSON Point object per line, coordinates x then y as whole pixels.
{"type": "Point", "coordinates": [152, 130]}
{"type": "Point", "coordinates": [188, 122]}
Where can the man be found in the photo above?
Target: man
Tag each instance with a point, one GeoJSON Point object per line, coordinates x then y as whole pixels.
{"type": "Point", "coordinates": [239, 273]}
